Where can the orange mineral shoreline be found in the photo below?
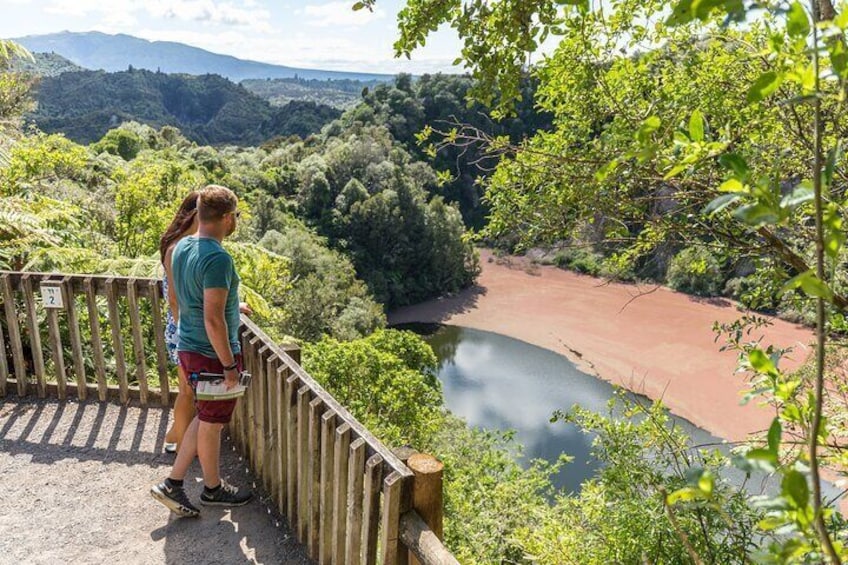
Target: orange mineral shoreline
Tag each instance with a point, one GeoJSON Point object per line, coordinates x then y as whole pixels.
{"type": "Point", "coordinates": [660, 344]}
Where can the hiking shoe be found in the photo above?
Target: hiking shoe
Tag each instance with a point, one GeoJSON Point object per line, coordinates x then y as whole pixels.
{"type": "Point", "coordinates": [227, 495]}
{"type": "Point", "coordinates": [175, 499]}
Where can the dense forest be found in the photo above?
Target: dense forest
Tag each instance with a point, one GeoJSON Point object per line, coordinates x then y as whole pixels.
{"type": "Point", "coordinates": [341, 94]}
{"type": "Point", "coordinates": [439, 103]}
{"type": "Point", "coordinates": [208, 109]}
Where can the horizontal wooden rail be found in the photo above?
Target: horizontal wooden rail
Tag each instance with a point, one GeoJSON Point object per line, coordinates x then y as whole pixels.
{"type": "Point", "coordinates": [348, 498]}
{"type": "Point", "coordinates": [88, 330]}
{"type": "Point", "coordinates": [423, 542]}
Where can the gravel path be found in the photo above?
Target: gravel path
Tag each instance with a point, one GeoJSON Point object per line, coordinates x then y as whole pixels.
{"type": "Point", "coordinates": [75, 480]}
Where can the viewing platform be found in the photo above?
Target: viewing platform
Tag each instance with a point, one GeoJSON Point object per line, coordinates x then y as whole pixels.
{"type": "Point", "coordinates": [85, 388]}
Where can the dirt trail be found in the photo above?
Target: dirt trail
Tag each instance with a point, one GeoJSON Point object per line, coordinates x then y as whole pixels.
{"type": "Point", "coordinates": [660, 344]}
{"type": "Point", "coordinates": [75, 480]}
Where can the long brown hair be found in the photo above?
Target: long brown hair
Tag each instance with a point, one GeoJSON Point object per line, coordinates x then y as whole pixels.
{"type": "Point", "coordinates": [180, 224]}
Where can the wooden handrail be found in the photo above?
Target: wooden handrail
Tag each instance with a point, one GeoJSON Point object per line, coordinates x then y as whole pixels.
{"type": "Point", "coordinates": [423, 542]}
{"type": "Point", "coordinates": [346, 495]}
{"type": "Point", "coordinates": [375, 445]}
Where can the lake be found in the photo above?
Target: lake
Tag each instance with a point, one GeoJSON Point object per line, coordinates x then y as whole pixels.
{"type": "Point", "coordinates": [500, 383]}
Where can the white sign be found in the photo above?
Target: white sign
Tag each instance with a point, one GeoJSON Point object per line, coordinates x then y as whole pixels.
{"type": "Point", "coordinates": [51, 296]}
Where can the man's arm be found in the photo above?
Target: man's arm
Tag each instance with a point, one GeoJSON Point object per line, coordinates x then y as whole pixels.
{"type": "Point", "coordinates": [214, 301]}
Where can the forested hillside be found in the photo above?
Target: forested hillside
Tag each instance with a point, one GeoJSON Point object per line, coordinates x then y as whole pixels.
{"type": "Point", "coordinates": [422, 113]}
{"type": "Point", "coordinates": [208, 109]}
{"type": "Point", "coordinates": [45, 65]}
{"type": "Point", "coordinates": [341, 94]}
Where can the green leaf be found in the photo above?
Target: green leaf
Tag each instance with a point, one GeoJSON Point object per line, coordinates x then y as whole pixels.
{"type": "Point", "coordinates": [774, 436]}
{"type": "Point", "coordinates": [358, 6]}
{"type": "Point", "coordinates": [800, 194]}
{"type": "Point", "coordinates": [676, 170]}
{"type": "Point", "coordinates": [685, 494]}
{"type": "Point", "coordinates": [841, 19]}
{"type": "Point", "coordinates": [772, 522]}
{"type": "Point", "coordinates": [735, 163]}
{"type": "Point", "coordinates": [720, 203]}
{"type": "Point", "coordinates": [838, 55]}
{"type": "Point", "coordinates": [764, 86]}
{"type": "Point", "coordinates": [791, 413]}
{"type": "Point", "coordinates": [762, 363]}
{"type": "Point", "coordinates": [834, 235]}
{"type": "Point", "coordinates": [833, 158]}
{"type": "Point", "coordinates": [756, 214]}
{"type": "Point", "coordinates": [650, 125]}
{"type": "Point", "coordinates": [682, 13]}
{"type": "Point", "coordinates": [794, 488]}
{"type": "Point", "coordinates": [731, 185]}
{"type": "Point", "coordinates": [602, 173]}
{"type": "Point", "coordinates": [706, 483]}
{"type": "Point", "coordinates": [810, 284]}
{"type": "Point", "coordinates": [762, 455]}
{"type": "Point", "coordinates": [797, 23]}
{"type": "Point", "coordinates": [696, 126]}
{"type": "Point", "coordinates": [701, 8]}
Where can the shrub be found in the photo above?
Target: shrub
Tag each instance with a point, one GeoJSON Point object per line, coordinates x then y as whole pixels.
{"type": "Point", "coordinates": [695, 271]}
{"type": "Point", "coordinates": [579, 259]}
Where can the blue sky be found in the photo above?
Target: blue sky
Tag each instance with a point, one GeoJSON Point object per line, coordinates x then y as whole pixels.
{"type": "Point", "coordinates": [323, 34]}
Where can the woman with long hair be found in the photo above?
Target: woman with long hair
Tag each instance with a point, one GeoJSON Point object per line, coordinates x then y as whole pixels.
{"type": "Point", "coordinates": [183, 225]}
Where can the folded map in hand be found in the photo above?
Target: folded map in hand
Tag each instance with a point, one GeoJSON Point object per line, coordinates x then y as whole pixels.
{"type": "Point", "coordinates": [212, 387]}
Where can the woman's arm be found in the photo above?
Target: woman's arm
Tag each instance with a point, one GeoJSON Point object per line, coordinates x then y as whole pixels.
{"type": "Point", "coordinates": [172, 290]}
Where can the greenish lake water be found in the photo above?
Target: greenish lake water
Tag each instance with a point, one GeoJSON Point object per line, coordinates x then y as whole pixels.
{"type": "Point", "coordinates": [500, 383]}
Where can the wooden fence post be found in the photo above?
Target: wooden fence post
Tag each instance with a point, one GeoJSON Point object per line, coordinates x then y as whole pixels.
{"type": "Point", "coordinates": [427, 495]}
{"type": "Point", "coordinates": [292, 350]}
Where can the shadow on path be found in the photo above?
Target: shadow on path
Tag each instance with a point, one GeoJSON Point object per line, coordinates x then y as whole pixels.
{"type": "Point", "coordinates": [82, 472]}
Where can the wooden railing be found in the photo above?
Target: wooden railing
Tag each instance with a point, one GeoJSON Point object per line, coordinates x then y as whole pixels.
{"type": "Point", "coordinates": [347, 497]}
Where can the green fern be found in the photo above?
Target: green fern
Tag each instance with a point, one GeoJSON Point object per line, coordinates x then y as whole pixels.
{"type": "Point", "coordinates": [10, 50]}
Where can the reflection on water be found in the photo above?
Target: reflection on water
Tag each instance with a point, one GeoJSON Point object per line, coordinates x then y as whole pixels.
{"type": "Point", "coordinates": [500, 383]}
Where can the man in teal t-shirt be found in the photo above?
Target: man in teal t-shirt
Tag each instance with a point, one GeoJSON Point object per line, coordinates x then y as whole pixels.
{"type": "Point", "coordinates": [206, 286]}
{"type": "Point", "coordinates": [200, 263]}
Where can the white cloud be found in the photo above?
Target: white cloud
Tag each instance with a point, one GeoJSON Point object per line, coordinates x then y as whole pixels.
{"type": "Point", "coordinates": [122, 12]}
{"type": "Point", "coordinates": [81, 8]}
{"type": "Point", "coordinates": [340, 14]}
{"type": "Point", "coordinates": [225, 13]}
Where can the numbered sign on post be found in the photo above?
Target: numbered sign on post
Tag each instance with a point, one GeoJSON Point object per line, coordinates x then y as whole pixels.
{"type": "Point", "coordinates": [51, 296]}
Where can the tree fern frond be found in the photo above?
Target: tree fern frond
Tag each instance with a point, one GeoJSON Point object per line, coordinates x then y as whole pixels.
{"type": "Point", "coordinates": [10, 50]}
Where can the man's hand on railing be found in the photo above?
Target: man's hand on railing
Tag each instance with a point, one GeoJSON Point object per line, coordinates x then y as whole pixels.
{"type": "Point", "coordinates": [245, 309]}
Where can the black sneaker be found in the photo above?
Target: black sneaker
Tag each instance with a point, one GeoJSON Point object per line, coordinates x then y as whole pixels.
{"type": "Point", "coordinates": [175, 499]}
{"type": "Point", "coordinates": [227, 495]}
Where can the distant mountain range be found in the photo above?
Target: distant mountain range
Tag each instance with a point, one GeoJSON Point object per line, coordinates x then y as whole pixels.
{"type": "Point", "coordinates": [96, 50]}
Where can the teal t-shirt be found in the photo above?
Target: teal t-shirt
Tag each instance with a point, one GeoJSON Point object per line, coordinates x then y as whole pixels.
{"type": "Point", "coordinates": [199, 263]}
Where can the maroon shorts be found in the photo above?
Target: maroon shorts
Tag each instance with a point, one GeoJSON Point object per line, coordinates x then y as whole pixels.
{"type": "Point", "coordinates": [212, 411]}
